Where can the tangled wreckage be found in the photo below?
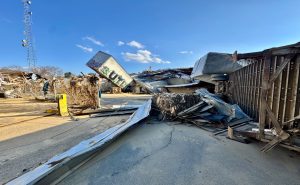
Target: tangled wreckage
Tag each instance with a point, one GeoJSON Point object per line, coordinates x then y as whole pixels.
{"type": "Point", "coordinates": [264, 85]}
{"type": "Point", "coordinates": [250, 95]}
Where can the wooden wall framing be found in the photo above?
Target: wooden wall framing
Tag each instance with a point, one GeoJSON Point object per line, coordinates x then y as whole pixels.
{"type": "Point", "coordinates": [268, 89]}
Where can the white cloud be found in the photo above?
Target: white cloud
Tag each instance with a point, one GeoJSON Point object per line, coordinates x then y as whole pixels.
{"type": "Point", "coordinates": [93, 40]}
{"type": "Point", "coordinates": [84, 48]}
{"type": "Point", "coordinates": [186, 52]}
{"type": "Point", "coordinates": [144, 56]}
{"type": "Point", "coordinates": [121, 43]}
{"type": "Point", "coordinates": [135, 44]}
{"type": "Point", "coordinates": [3, 19]}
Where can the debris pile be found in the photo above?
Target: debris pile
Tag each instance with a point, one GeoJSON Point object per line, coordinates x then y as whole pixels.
{"type": "Point", "coordinates": [17, 84]}
{"type": "Point", "coordinates": [230, 112]}
{"type": "Point", "coordinates": [82, 91]}
{"type": "Point", "coordinates": [170, 104]}
{"type": "Point", "coordinates": [155, 81]}
{"type": "Point", "coordinates": [168, 80]}
{"type": "Point", "coordinates": [201, 108]}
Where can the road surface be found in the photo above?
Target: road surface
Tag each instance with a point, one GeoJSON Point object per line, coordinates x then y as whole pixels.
{"type": "Point", "coordinates": [164, 153]}
{"type": "Point", "coordinates": [28, 140]}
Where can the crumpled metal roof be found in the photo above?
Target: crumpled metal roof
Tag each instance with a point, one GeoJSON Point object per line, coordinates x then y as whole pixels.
{"type": "Point", "coordinates": [215, 63]}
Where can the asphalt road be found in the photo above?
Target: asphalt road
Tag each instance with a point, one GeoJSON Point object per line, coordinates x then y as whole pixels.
{"type": "Point", "coordinates": [162, 153]}
{"type": "Point", "coordinates": [25, 152]}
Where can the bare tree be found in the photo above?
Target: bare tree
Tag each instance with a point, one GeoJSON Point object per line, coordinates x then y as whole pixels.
{"type": "Point", "coordinates": [14, 67]}
{"type": "Point", "coordinates": [45, 71]}
{"type": "Point", "coordinates": [48, 71]}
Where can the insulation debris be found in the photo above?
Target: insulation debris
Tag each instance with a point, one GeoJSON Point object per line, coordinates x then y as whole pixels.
{"type": "Point", "coordinates": [201, 108]}
{"type": "Point", "coordinates": [82, 90]}
{"type": "Point", "coordinates": [170, 104]}
{"type": "Point", "coordinates": [17, 84]}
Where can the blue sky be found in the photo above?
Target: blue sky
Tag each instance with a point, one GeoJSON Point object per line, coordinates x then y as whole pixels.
{"type": "Point", "coordinates": [140, 33]}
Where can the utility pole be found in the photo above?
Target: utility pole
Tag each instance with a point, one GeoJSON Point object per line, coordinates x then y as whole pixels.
{"type": "Point", "coordinates": [28, 41]}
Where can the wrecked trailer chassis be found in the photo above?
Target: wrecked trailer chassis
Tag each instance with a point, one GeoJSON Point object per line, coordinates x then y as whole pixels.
{"type": "Point", "coordinates": [268, 90]}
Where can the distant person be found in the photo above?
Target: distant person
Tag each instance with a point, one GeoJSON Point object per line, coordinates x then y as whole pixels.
{"type": "Point", "coordinates": [46, 87]}
{"type": "Point", "coordinates": [99, 95]}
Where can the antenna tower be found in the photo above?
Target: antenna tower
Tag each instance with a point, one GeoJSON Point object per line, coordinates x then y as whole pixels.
{"type": "Point", "coordinates": [28, 41]}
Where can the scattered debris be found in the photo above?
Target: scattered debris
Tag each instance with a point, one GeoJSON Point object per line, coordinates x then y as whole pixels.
{"type": "Point", "coordinates": [236, 137]}
{"type": "Point", "coordinates": [190, 87]}
{"type": "Point", "coordinates": [17, 84]}
{"type": "Point", "coordinates": [170, 104]}
{"type": "Point", "coordinates": [232, 112]}
{"type": "Point", "coordinates": [202, 109]}
{"type": "Point", "coordinates": [156, 81]}
{"type": "Point", "coordinates": [81, 91]}
{"type": "Point", "coordinates": [195, 95]}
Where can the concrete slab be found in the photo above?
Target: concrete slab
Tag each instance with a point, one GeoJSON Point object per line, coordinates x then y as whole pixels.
{"type": "Point", "coordinates": [160, 153]}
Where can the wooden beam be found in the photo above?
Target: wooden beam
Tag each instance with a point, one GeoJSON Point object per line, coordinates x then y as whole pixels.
{"type": "Point", "coordinates": [274, 120]}
{"type": "Point", "coordinates": [263, 94]}
{"type": "Point", "coordinates": [279, 70]}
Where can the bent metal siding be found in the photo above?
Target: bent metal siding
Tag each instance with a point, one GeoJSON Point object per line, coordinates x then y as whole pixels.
{"type": "Point", "coordinates": [269, 87]}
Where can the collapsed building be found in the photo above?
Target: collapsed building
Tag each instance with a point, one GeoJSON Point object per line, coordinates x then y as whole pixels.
{"type": "Point", "coordinates": [166, 80]}
{"type": "Point", "coordinates": [250, 95]}
{"type": "Point", "coordinates": [264, 85]}
{"type": "Point", "coordinates": [268, 90]}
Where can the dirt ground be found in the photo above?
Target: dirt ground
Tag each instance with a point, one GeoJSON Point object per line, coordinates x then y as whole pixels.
{"type": "Point", "coordinates": [21, 116]}
{"type": "Point", "coordinates": [24, 116]}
